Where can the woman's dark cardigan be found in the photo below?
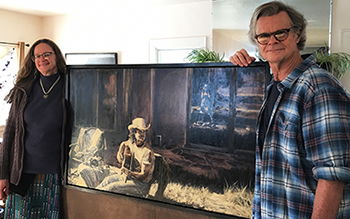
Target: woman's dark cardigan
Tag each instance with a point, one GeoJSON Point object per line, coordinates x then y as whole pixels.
{"type": "Point", "coordinates": [12, 147]}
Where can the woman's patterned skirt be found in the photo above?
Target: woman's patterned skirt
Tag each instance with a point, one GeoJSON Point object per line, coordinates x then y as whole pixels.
{"type": "Point", "coordinates": [41, 201]}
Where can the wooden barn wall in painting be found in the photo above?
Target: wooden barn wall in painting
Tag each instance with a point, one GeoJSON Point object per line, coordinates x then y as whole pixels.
{"type": "Point", "coordinates": [201, 121]}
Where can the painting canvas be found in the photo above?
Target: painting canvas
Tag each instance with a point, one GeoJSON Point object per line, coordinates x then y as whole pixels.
{"type": "Point", "coordinates": [181, 134]}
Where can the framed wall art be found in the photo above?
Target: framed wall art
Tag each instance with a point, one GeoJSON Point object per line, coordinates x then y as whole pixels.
{"type": "Point", "coordinates": [182, 134]}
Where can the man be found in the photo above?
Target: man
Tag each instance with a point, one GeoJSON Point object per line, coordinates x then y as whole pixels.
{"type": "Point", "coordinates": [137, 163]}
{"type": "Point", "coordinates": [303, 129]}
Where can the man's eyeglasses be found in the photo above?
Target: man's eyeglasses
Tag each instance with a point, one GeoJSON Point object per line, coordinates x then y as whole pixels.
{"type": "Point", "coordinates": [44, 55]}
{"type": "Point", "coordinates": [280, 35]}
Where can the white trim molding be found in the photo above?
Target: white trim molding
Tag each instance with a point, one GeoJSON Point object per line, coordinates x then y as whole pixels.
{"type": "Point", "coordinates": [344, 40]}
{"type": "Point", "coordinates": [174, 44]}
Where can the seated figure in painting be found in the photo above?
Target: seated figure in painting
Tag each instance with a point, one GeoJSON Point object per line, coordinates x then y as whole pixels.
{"type": "Point", "coordinates": [136, 159]}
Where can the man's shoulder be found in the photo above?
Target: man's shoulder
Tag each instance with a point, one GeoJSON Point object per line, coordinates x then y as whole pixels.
{"type": "Point", "coordinates": [316, 81]}
{"type": "Point", "coordinates": [126, 142]}
{"type": "Point", "coordinates": [319, 78]}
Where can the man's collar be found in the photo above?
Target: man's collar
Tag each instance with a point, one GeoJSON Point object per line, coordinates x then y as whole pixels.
{"type": "Point", "coordinates": [299, 70]}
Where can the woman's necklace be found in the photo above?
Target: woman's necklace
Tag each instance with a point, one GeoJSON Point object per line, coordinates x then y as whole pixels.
{"type": "Point", "coordinates": [46, 93]}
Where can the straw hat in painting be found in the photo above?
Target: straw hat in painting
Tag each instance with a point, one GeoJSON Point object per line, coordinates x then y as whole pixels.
{"type": "Point", "coordinates": [139, 123]}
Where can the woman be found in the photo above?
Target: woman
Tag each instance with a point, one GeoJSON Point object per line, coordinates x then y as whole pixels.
{"type": "Point", "coordinates": [32, 150]}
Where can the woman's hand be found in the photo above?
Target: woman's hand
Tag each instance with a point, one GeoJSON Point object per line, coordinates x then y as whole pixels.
{"type": "Point", "coordinates": [4, 189]}
{"type": "Point", "coordinates": [241, 58]}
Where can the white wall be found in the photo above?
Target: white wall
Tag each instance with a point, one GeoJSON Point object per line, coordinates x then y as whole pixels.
{"type": "Point", "coordinates": [340, 23]}
{"type": "Point", "coordinates": [127, 28]}
{"type": "Point", "coordinates": [17, 27]}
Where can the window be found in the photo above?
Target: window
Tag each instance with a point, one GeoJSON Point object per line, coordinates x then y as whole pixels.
{"type": "Point", "coordinates": [173, 56]}
{"type": "Point", "coordinates": [8, 73]}
{"type": "Point", "coordinates": [174, 50]}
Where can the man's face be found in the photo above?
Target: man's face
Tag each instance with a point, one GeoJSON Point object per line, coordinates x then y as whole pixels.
{"type": "Point", "coordinates": [275, 51]}
{"type": "Point", "coordinates": [140, 136]}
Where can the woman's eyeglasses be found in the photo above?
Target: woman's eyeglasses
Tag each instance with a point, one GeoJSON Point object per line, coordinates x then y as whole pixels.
{"type": "Point", "coordinates": [44, 55]}
{"type": "Point", "coordinates": [280, 35]}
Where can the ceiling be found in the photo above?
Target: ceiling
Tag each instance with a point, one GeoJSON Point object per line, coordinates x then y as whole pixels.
{"type": "Point", "coordinates": [36, 7]}
{"type": "Point", "coordinates": [236, 14]}
{"type": "Point", "coordinates": [227, 14]}
{"type": "Point", "coordinates": [61, 7]}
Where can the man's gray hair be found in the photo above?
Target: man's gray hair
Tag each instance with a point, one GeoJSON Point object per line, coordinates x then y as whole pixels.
{"type": "Point", "coordinates": [273, 8]}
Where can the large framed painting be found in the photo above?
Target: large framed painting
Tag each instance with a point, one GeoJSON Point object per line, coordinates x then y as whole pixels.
{"type": "Point", "coordinates": [182, 134]}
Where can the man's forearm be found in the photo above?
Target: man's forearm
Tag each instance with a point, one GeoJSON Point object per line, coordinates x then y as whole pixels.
{"type": "Point", "coordinates": [327, 199]}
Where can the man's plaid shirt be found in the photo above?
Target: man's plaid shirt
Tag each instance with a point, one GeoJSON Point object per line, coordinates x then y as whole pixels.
{"type": "Point", "coordinates": [308, 138]}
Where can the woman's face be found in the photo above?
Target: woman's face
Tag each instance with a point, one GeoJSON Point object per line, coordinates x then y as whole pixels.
{"type": "Point", "coordinates": [45, 59]}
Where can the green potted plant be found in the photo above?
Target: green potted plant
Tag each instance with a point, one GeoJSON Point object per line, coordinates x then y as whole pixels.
{"type": "Point", "coordinates": [204, 55]}
{"type": "Point", "coordinates": [336, 63]}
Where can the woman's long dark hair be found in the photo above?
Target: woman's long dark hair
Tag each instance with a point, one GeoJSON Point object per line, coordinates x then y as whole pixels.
{"type": "Point", "coordinates": [28, 72]}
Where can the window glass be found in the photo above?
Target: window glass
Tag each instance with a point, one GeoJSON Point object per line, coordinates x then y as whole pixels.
{"type": "Point", "coordinates": [173, 56]}
{"type": "Point", "coordinates": [8, 74]}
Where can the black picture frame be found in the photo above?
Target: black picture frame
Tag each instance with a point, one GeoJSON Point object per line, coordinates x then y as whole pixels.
{"type": "Point", "coordinates": [200, 121]}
